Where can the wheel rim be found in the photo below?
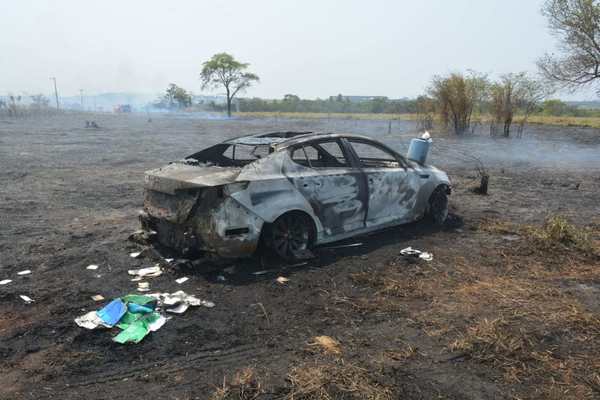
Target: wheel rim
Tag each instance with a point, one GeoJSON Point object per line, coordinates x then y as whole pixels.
{"type": "Point", "coordinates": [289, 235]}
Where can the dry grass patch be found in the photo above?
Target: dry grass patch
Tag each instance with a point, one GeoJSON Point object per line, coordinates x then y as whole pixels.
{"type": "Point", "coordinates": [245, 385]}
{"type": "Point", "coordinates": [339, 380]}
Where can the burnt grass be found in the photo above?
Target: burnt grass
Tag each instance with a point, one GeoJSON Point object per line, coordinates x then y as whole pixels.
{"type": "Point", "coordinates": [496, 314]}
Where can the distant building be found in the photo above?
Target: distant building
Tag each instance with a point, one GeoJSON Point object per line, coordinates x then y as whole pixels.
{"type": "Point", "coordinates": [356, 99]}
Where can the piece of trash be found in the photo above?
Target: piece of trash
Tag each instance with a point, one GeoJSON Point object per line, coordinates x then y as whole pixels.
{"type": "Point", "coordinates": [138, 329]}
{"type": "Point", "coordinates": [207, 304]}
{"type": "Point", "coordinates": [111, 313]}
{"type": "Point", "coordinates": [90, 320]}
{"type": "Point", "coordinates": [97, 297]}
{"type": "Point", "coordinates": [282, 279]}
{"type": "Point", "coordinates": [135, 254]}
{"type": "Point", "coordinates": [143, 286]}
{"type": "Point", "coordinates": [341, 246]}
{"type": "Point", "coordinates": [5, 281]}
{"type": "Point", "coordinates": [168, 260]}
{"type": "Point", "coordinates": [426, 136]}
{"type": "Point", "coordinates": [181, 280]}
{"type": "Point", "coordinates": [149, 272]}
{"type": "Point", "coordinates": [410, 252]}
{"type": "Point", "coordinates": [327, 343]}
{"type": "Point", "coordinates": [26, 299]}
{"type": "Point", "coordinates": [92, 267]}
{"type": "Point", "coordinates": [180, 309]}
{"type": "Point", "coordinates": [136, 279]}
{"type": "Point", "coordinates": [25, 272]}
{"type": "Point", "coordinates": [221, 278]}
{"type": "Point", "coordinates": [174, 300]}
{"type": "Point", "coordinates": [260, 272]}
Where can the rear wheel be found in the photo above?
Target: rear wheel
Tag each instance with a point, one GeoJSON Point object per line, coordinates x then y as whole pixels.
{"type": "Point", "coordinates": [289, 235]}
{"type": "Point", "coordinates": [438, 206]}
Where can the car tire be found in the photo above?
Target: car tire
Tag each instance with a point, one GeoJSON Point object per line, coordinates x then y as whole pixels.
{"type": "Point", "coordinates": [438, 206]}
{"type": "Point", "coordinates": [289, 235]}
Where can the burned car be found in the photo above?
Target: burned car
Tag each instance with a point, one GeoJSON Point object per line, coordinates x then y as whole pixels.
{"type": "Point", "coordinates": [286, 192]}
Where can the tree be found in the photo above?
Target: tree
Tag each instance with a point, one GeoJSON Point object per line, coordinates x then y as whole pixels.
{"type": "Point", "coordinates": [576, 23]}
{"type": "Point", "coordinates": [457, 96]}
{"type": "Point", "coordinates": [175, 97]}
{"type": "Point", "coordinates": [224, 70]}
{"type": "Point", "coordinates": [512, 94]}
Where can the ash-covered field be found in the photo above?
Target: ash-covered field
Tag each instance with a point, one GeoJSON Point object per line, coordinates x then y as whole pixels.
{"type": "Point", "coordinates": [508, 308]}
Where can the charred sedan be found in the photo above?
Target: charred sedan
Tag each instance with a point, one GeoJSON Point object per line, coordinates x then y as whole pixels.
{"type": "Point", "coordinates": [286, 192]}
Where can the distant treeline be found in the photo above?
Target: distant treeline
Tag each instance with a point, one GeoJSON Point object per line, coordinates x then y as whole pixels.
{"type": "Point", "coordinates": [381, 105]}
{"type": "Point", "coordinates": [336, 104]}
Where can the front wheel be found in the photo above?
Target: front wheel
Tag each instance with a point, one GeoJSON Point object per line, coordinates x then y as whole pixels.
{"type": "Point", "coordinates": [288, 236]}
{"type": "Point", "coordinates": [438, 206]}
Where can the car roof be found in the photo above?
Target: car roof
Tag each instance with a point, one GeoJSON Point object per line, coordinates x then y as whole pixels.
{"type": "Point", "coordinates": [281, 140]}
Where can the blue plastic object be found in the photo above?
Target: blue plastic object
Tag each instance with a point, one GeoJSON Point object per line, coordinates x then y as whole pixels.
{"type": "Point", "coordinates": [138, 309]}
{"type": "Point", "coordinates": [111, 313]}
{"type": "Point", "coordinates": [418, 150]}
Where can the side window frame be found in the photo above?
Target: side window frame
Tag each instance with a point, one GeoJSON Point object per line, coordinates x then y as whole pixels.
{"type": "Point", "coordinates": [350, 163]}
{"type": "Point", "coordinates": [402, 163]}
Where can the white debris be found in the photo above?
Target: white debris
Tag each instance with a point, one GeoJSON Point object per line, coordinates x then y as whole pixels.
{"type": "Point", "coordinates": [168, 260]}
{"type": "Point", "coordinates": [410, 252]}
{"type": "Point", "coordinates": [149, 272]}
{"type": "Point", "coordinates": [426, 136]}
{"type": "Point", "coordinates": [221, 278]}
{"type": "Point", "coordinates": [25, 272]}
{"type": "Point", "coordinates": [90, 320]}
{"type": "Point", "coordinates": [97, 297]}
{"type": "Point", "coordinates": [143, 286]}
{"type": "Point", "coordinates": [178, 302]}
{"type": "Point", "coordinates": [5, 281]}
{"type": "Point", "coordinates": [135, 254]}
{"type": "Point", "coordinates": [92, 267]}
{"type": "Point", "coordinates": [136, 279]}
{"type": "Point", "coordinates": [179, 309]}
{"type": "Point", "coordinates": [26, 299]}
{"type": "Point", "coordinates": [181, 280]}
{"type": "Point", "coordinates": [260, 272]}
{"type": "Point", "coordinates": [282, 280]}
{"type": "Point", "coordinates": [156, 325]}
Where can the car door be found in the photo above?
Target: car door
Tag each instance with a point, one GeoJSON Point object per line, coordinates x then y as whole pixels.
{"type": "Point", "coordinates": [334, 187]}
{"type": "Point", "coordinates": [392, 185]}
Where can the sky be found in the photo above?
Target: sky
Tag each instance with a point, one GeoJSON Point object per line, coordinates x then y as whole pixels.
{"type": "Point", "coordinates": [311, 48]}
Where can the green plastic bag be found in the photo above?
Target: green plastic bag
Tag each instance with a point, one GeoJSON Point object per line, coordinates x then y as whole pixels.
{"type": "Point", "coordinates": [137, 329]}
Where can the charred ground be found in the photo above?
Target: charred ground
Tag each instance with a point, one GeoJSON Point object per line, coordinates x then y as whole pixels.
{"type": "Point", "coordinates": [507, 308]}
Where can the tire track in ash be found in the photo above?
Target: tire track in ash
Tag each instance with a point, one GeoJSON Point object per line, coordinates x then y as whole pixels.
{"type": "Point", "coordinates": [213, 358]}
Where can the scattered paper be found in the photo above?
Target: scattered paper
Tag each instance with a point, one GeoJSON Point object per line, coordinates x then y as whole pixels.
{"type": "Point", "coordinates": [410, 252]}
{"type": "Point", "coordinates": [260, 272]}
{"type": "Point", "coordinates": [181, 280]}
{"type": "Point", "coordinates": [5, 281]}
{"type": "Point", "coordinates": [90, 320]}
{"type": "Point", "coordinates": [179, 309]}
{"type": "Point", "coordinates": [26, 299]}
{"type": "Point", "coordinates": [97, 297]}
{"type": "Point", "coordinates": [143, 286]}
{"type": "Point", "coordinates": [92, 267]}
{"type": "Point", "coordinates": [26, 272]}
{"type": "Point", "coordinates": [136, 279]}
{"type": "Point", "coordinates": [146, 272]}
{"type": "Point", "coordinates": [135, 254]}
{"type": "Point", "coordinates": [282, 279]}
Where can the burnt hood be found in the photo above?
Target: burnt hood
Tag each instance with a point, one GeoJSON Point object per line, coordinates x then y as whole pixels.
{"type": "Point", "coordinates": [178, 176]}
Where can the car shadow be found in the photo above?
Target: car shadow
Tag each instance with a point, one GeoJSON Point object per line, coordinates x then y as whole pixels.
{"type": "Point", "coordinates": [260, 268]}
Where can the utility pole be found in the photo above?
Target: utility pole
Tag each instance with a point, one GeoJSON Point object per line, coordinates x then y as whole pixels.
{"type": "Point", "coordinates": [55, 92]}
{"type": "Point", "coordinates": [81, 97]}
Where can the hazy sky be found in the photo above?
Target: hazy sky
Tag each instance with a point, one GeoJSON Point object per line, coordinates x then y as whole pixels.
{"type": "Point", "coordinates": [312, 48]}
